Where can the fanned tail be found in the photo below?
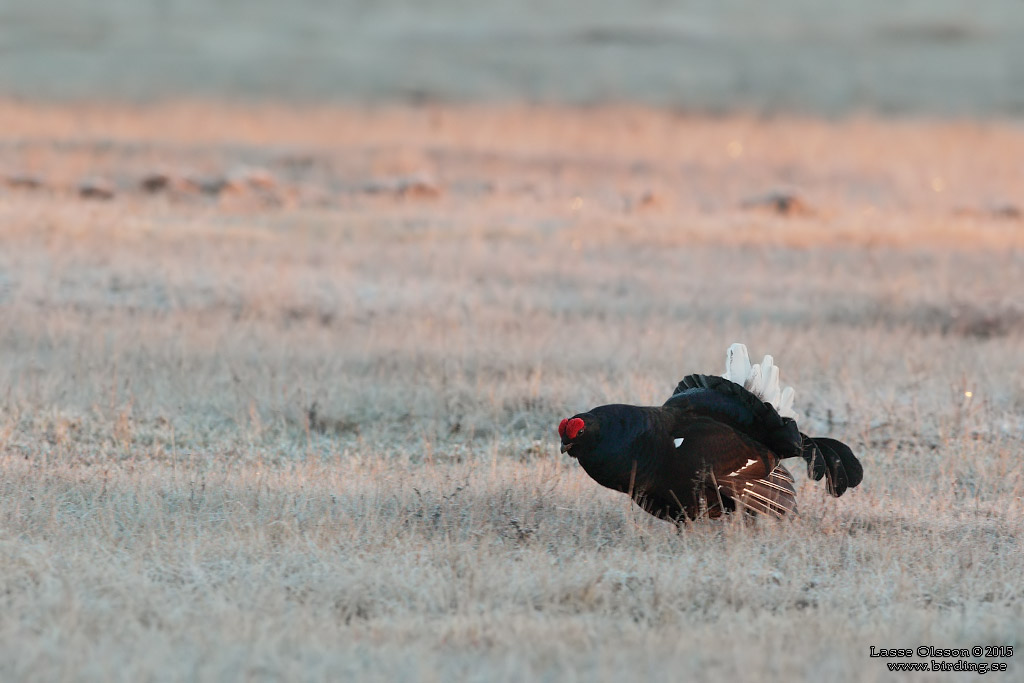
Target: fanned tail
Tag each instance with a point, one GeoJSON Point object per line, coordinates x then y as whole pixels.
{"type": "Point", "coordinates": [761, 379]}
{"type": "Point", "coordinates": [825, 457]}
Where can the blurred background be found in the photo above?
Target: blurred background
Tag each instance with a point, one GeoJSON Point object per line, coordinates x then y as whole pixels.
{"type": "Point", "coordinates": [947, 57]}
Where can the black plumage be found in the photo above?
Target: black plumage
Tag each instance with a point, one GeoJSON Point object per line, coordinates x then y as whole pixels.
{"type": "Point", "coordinates": [713, 447]}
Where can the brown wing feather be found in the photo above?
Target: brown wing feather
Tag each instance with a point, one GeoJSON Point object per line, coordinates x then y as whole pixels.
{"type": "Point", "coordinates": [771, 495]}
{"type": "Point", "coordinates": [754, 485]}
{"type": "Point", "coordinates": [725, 469]}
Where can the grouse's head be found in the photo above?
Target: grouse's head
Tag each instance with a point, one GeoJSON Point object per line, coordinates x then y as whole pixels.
{"type": "Point", "coordinates": [579, 434]}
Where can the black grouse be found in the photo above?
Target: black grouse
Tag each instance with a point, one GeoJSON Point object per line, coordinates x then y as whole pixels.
{"type": "Point", "coordinates": [714, 447]}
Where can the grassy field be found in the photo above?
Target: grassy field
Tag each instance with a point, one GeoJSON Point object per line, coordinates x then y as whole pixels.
{"type": "Point", "coordinates": [289, 413]}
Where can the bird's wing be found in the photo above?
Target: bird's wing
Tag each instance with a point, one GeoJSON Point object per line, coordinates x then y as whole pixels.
{"type": "Point", "coordinates": [736, 467]}
{"type": "Point", "coordinates": [769, 493]}
{"type": "Point", "coordinates": [725, 401]}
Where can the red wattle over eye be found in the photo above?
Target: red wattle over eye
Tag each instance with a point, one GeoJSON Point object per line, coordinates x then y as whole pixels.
{"type": "Point", "coordinates": [561, 427]}
{"type": "Point", "coordinates": [574, 427]}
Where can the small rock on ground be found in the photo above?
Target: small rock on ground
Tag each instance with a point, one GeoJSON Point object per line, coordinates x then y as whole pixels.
{"type": "Point", "coordinates": [782, 203]}
{"type": "Point", "coordinates": [96, 188]}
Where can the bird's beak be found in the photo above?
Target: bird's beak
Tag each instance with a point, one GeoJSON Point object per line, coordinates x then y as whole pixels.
{"type": "Point", "coordinates": [566, 447]}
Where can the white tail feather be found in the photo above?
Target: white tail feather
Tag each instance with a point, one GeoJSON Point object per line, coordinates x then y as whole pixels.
{"type": "Point", "coordinates": [766, 369]}
{"type": "Point", "coordinates": [786, 402]}
{"type": "Point", "coordinates": [772, 391]}
{"type": "Point", "coordinates": [754, 383]}
{"type": "Point", "coordinates": [737, 364]}
{"type": "Point", "coordinates": [761, 379]}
